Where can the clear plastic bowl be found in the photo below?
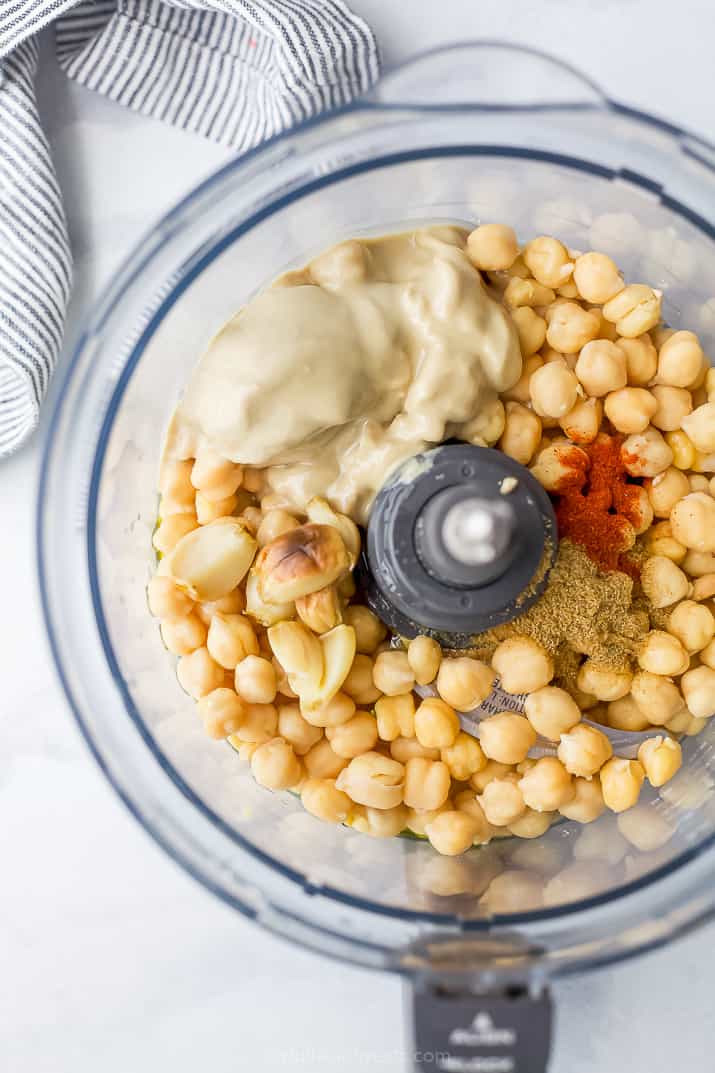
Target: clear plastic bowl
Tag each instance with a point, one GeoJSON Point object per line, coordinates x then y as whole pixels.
{"type": "Point", "coordinates": [477, 132]}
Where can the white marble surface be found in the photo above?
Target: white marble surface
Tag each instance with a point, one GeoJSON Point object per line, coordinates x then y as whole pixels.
{"type": "Point", "coordinates": [112, 959]}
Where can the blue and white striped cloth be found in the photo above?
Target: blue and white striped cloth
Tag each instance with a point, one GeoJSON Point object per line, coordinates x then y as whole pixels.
{"type": "Point", "coordinates": [235, 71]}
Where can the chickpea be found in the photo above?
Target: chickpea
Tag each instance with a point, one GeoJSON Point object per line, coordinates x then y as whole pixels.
{"type": "Point", "coordinates": [259, 723]}
{"type": "Point", "coordinates": [710, 383]}
{"type": "Point", "coordinates": [699, 426]}
{"type": "Point", "coordinates": [359, 683]}
{"type": "Point", "coordinates": [166, 600]}
{"type": "Point", "coordinates": [256, 680]}
{"type": "Point", "coordinates": [531, 824]}
{"type": "Point", "coordinates": [553, 389]}
{"type": "Point", "coordinates": [527, 292]}
{"type": "Point", "coordinates": [252, 517]}
{"type": "Point", "coordinates": [704, 587]}
{"type": "Point", "coordinates": [584, 750]}
{"type": "Point", "coordinates": [641, 359]}
{"type": "Point", "coordinates": [436, 724]}
{"type": "Point", "coordinates": [630, 409]}
{"type": "Point", "coordinates": [369, 631]}
{"type": "Point", "coordinates": [403, 749]}
{"type": "Point", "coordinates": [198, 674]}
{"type": "Point", "coordinates": [296, 730]}
{"type": "Point", "coordinates": [175, 485]}
{"type": "Point", "coordinates": [426, 783]}
{"type": "Point", "coordinates": [492, 247]}
{"type": "Point", "coordinates": [640, 513]}
{"type": "Point", "coordinates": [698, 688]}
{"type": "Point", "coordinates": [274, 524]}
{"type": "Point", "coordinates": [321, 798]}
{"type": "Point", "coordinates": [682, 448]}
{"type": "Point", "coordinates": [358, 735]}
{"type": "Point", "coordinates": [673, 404]}
{"type": "Point", "coordinates": [597, 277]}
{"type": "Point", "coordinates": [171, 529]}
{"type": "Point", "coordinates": [374, 780]}
{"type": "Point", "coordinates": [424, 656]}
{"type": "Point", "coordinates": [646, 454]}
{"type": "Point", "coordinates": [693, 624]}
{"type": "Point", "coordinates": [337, 711]}
{"type": "Point", "coordinates": [522, 433]}
{"type": "Point", "coordinates": [231, 638]}
{"type": "Point", "coordinates": [464, 682]}
{"type": "Point", "coordinates": [183, 635]}
{"type": "Point", "coordinates": [452, 832]}
{"type": "Point", "coordinates": [634, 310]}
{"type": "Point", "coordinates": [665, 490]}
{"type": "Point", "coordinates": [417, 819]}
{"type": "Point", "coordinates": [392, 673]}
{"type": "Point", "coordinates": [502, 801]}
{"type": "Point", "coordinates": [698, 563]}
{"type": "Point", "coordinates": [661, 758]}
{"type": "Point", "coordinates": [663, 582]}
{"type": "Point", "coordinates": [693, 522]}
{"type": "Point", "coordinates": [321, 762]}
{"type": "Point", "coordinates": [548, 261]}
{"type": "Point", "coordinates": [215, 477]}
{"type": "Point", "coordinates": [587, 803]}
{"type": "Point", "coordinates": [551, 712]}
{"type": "Point", "coordinates": [698, 482]}
{"type": "Point", "coordinates": [464, 758]}
{"type": "Point", "coordinates": [519, 392]}
{"type": "Point", "coordinates": [660, 541]}
{"type": "Point", "coordinates": [380, 823]}
{"type": "Point", "coordinates": [658, 698]}
{"type": "Point", "coordinates": [680, 359]}
{"type": "Point", "coordinates": [522, 664]}
{"type": "Point", "coordinates": [506, 737]}
{"type": "Point", "coordinates": [601, 368]}
{"type": "Point", "coordinates": [491, 770]}
{"type": "Point", "coordinates": [695, 726]}
{"type": "Point", "coordinates": [221, 711]}
{"type": "Point", "coordinates": [621, 782]}
{"type": "Point", "coordinates": [624, 714]}
{"type": "Point", "coordinates": [604, 683]}
{"type": "Point", "coordinates": [208, 510]}
{"type": "Point", "coordinates": [547, 785]}
{"type": "Point", "coordinates": [582, 423]}
{"type": "Point", "coordinates": [487, 425]}
{"type": "Point", "coordinates": [559, 465]}
{"type": "Point", "coordinates": [707, 655]}
{"type": "Point", "coordinates": [275, 765]}
{"type": "Point", "coordinates": [570, 328]}
{"type": "Point", "coordinates": [395, 716]}
{"type": "Point", "coordinates": [578, 881]}
{"type": "Point", "coordinates": [531, 329]}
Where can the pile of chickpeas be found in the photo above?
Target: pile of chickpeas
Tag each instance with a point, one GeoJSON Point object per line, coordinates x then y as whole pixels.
{"type": "Point", "coordinates": [260, 607]}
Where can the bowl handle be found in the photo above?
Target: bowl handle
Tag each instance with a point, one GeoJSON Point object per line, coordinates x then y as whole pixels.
{"type": "Point", "coordinates": [487, 75]}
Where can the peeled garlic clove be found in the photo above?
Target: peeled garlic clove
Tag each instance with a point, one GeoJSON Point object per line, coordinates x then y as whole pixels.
{"type": "Point", "coordinates": [320, 512]}
{"type": "Point", "coordinates": [298, 651]}
{"type": "Point", "coordinates": [338, 650]}
{"type": "Point", "coordinates": [211, 561]}
{"type": "Point", "coordinates": [258, 609]}
{"type": "Point", "coordinates": [300, 562]}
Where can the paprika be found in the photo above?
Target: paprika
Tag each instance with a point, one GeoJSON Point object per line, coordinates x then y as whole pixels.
{"type": "Point", "coordinates": [598, 505]}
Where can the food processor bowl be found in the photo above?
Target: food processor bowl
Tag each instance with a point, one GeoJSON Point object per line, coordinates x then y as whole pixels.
{"type": "Point", "coordinates": [472, 133]}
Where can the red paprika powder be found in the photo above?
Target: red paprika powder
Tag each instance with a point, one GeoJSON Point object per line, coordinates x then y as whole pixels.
{"type": "Point", "coordinates": [597, 505]}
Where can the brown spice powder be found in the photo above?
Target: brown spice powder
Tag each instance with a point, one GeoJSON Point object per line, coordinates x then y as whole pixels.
{"type": "Point", "coordinates": [583, 612]}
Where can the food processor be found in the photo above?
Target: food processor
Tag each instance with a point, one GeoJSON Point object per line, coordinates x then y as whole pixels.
{"type": "Point", "coordinates": [473, 133]}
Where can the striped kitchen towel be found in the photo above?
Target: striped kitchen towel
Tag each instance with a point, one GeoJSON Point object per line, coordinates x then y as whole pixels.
{"type": "Point", "coordinates": [235, 71]}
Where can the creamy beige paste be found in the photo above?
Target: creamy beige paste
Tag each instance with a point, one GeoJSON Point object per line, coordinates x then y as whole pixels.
{"type": "Point", "coordinates": [378, 349]}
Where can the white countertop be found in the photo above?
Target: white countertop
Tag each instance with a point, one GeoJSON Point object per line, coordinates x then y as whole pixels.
{"type": "Point", "coordinates": [115, 961]}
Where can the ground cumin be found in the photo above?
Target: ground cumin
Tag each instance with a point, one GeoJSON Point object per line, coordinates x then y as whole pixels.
{"type": "Point", "coordinates": [583, 612]}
